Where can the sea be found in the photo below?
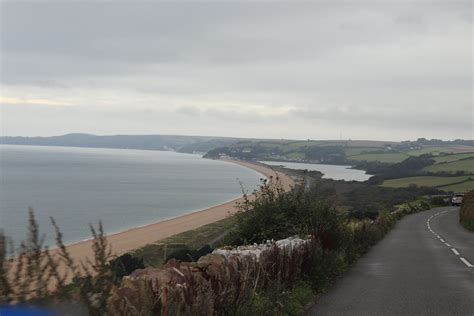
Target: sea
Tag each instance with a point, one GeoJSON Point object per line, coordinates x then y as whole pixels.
{"type": "Point", "coordinates": [120, 187]}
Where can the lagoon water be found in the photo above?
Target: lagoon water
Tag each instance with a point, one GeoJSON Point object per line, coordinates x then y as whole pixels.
{"type": "Point", "coordinates": [123, 188]}
{"type": "Point", "coordinates": [336, 172]}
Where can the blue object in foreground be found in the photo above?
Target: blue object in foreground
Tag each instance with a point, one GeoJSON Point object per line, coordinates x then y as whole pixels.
{"type": "Point", "coordinates": [24, 311]}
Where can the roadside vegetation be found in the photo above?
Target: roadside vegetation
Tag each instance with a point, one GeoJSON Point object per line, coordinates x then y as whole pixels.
{"type": "Point", "coordinates": [466, 213]}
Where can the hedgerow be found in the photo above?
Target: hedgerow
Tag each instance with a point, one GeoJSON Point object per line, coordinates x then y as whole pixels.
{"type": "Point", "coordinates": [466, 213]}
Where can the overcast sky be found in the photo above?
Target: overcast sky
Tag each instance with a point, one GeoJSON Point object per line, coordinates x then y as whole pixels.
{"type": "Point", "coordinates": [364, 69]}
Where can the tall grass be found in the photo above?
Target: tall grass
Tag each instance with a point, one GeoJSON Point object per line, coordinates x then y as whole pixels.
{"type": "Point", "coordinates": [34, 274]}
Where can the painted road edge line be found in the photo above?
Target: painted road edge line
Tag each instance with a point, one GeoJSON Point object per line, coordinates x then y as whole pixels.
{"type": "Point", "coordinates": [467, 263]}
{"type": "Point", "coordinates": [454, 250]}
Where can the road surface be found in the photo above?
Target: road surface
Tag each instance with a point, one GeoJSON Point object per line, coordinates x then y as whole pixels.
{"type": "Point", "coordinates": [424, 266]}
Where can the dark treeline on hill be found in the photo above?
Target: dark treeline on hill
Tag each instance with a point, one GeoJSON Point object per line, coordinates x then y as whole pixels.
{"type": "Point", "coordinates": [186, 144]}
{"type": "Point", "coordinates": [334, 154]}
{"type": "Point", "coordinates": [408, 167]}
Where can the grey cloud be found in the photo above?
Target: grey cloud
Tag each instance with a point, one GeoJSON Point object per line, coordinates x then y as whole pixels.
{"type": "Point", "coordinates": [189, 111]}
{"type": "Point", "coordinates": [192, 60]}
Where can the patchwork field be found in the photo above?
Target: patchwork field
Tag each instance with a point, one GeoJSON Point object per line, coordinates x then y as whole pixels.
{"type": "Point", "coordinates": [427, 181]}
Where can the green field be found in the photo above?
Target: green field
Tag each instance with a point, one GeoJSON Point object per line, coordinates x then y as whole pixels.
{"type": "Point", "coordinates": [430, 149]}
{"type": "Point", "coordinates": [352, 151]}
{"type": "Point", "coordinates": [453, 157]}
{"type": "Point", "coordinates": [459, 188]}
{"type": "Point", "coordinates": [435, 150]}
{"type": "Point", "coordinates": [295, 145]}
{"type": "Point", "coordinates": [466, 165]}
{"type": "Point", "coordinates": [427, 181]}
{"type": "Point", "coordinates": [382, 157]}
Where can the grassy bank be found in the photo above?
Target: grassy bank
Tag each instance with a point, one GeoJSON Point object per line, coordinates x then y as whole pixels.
{"type": "Point", "coordinates": [183, 244]}
{"type": "Point", "coordinates": [466, 213]}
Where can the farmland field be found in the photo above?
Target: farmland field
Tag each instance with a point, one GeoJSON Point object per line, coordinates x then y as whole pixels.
{"type": "Point", "coordinates": [352, 151]}
{"type": "Point", "coordinates": [382, 157]}
{"type": "Point", "coordinates": [427, 181]}
{"type": "Point", "coordinates": [440, 149]}
{"type": "Point", "coordinates": [459, 188]}
{"type": "Point", "coordinates": [466, 165]}
{"type": "Point", "coordinates": [453, 157]}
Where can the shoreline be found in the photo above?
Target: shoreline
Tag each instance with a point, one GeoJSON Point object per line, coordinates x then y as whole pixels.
{"type": "Point", "coordinates": [139, 236]}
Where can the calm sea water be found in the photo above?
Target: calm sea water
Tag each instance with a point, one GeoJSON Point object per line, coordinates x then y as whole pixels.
{"type": "Point", "coordinates": [336, 172]}
{"type": "Point", "coordinates": [123, 188]}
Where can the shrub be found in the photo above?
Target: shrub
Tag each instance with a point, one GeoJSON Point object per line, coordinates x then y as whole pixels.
{"type": "Point", "coordinates": [188, 255]}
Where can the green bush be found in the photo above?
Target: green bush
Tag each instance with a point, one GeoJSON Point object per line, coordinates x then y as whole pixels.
{"type": "Point", "coordinates": [466, 213]}
{"type": "Point", "coordinates": [276, 214]}
{"type": "Point", "coordinates": [188, 255]}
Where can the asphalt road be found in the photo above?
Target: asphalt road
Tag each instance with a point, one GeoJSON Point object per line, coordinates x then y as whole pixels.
{"type": "Point", "coordinates": [411, 271]}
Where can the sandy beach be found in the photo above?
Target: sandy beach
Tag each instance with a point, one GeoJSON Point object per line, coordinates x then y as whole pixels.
{"type": "Point", "coordinates": [134, 238]}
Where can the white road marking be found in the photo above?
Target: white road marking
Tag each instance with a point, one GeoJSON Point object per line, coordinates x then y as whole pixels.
{"type": "Point", "coordinates": [454, 250]}
{"type": "Point", "coordinates": [467, 263]}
